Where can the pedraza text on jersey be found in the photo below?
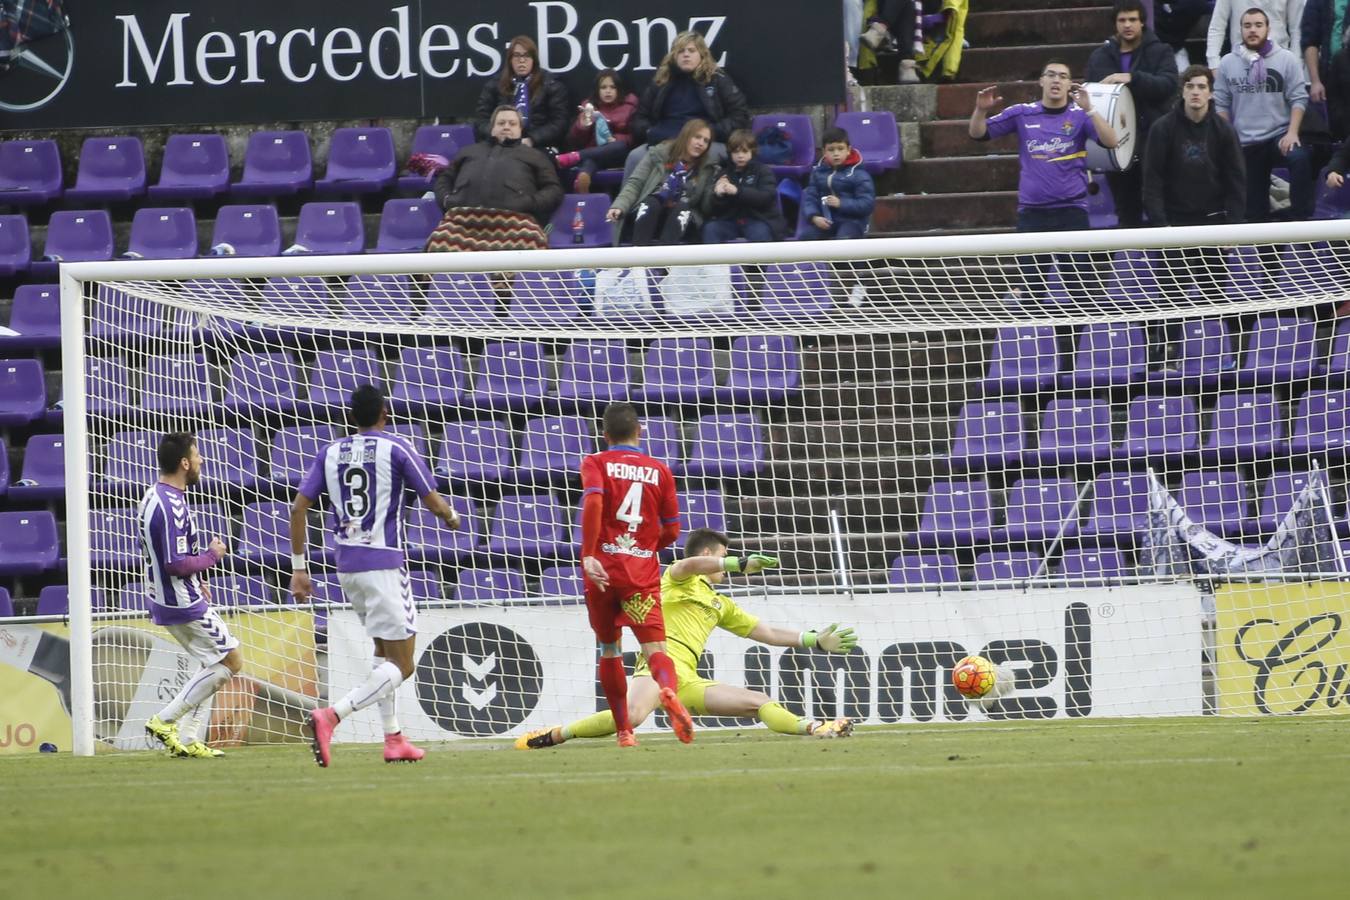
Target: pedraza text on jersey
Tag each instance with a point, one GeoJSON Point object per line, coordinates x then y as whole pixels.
{"type": "Point", "coordinates": [630, 472]}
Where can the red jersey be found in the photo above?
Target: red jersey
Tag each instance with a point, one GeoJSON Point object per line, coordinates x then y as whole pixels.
{"type": "Point", "coordinates": [639, 498]}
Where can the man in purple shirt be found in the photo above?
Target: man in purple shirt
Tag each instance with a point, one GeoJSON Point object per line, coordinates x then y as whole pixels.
{"type": "Point", "coordinates": [176, 556]}
{"type": "Point", "coordinates": [365, 476]}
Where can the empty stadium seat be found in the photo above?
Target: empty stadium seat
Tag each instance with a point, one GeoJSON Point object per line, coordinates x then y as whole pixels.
{"type": "Point", "coordinates": [1205, 356]}
{"type": "Point", "coordinates": [16, 249]}
{"type": "Point", "coordinates": [511, 377]}
{"type": "Point", "coordinates": [561, 581]}
{"type": "Point", "coordinates": [431, 541]}
{"type": "Point", "coordinates": [405, 225]}
{"type": "Point", "coordinates": [662, 439]}
{"type": "Point", "coordinates": [30, 172]}
{"type": "Point", "coordinates": [230, 459]}
{"type": "Point", "coordinates": [4, 472]}
{"type": "Point", "coordinates": [1309, 268]}
{"type": "Point", "coordinates": [247, 230]}
{"type": "Point", "coordinates": [923, 570]}
{"type": "Point", "coordinates": [955, 513]}
{"type": "Point", "coordinates": [44, 470]}
{"type": "Point", "coordinates": [677, 370]}
{"type": "Point", "coordinates": [1074, 431]}
{"type": "Point", "coordinates": [163, 234]}
{"type": "Point", "coordinates": [213, 521]}
{"type": "Point", "coordinates": [1160, 428]}
{"type": "Point", "coordinates": [551, 449]}
{"type": "Point", "coordinates": [129, 462]}
{"type": "Point", "coordinates": [133, 597]}
{"type": "Point", "coordinates": [1026, 360]}
{"type": "Point", "coordinates": [240, 590]}
{"type": "Point", "coordinates": [276, 164]}
{"type": "Point", "coordinates": [265, 535]}
{"type": "Point", "coordinates": [29, 543]}
{"type": "Point", "coordinates": [334, 374]}
{"type": "Point", "coordinates": [108, 382]}
{"type": "Point", "coordinates": [294, 449]}
{"type": "Point", "coordinates": [546, 299]}
{"type": "Point", "coordinates": [462, 299]}
{"type": "Point", "coordinates": [6, 604]}
{"type": "Point", "coordinates": [1006, 565]}
{"type": "Point", "coordinates": [35, 317]}
{"type": "Point", "coordinates": [23, 392]}
{"type": "Point", "coordinates": [593, 373]}
{"type": "Point", "coordinates": [489, 585]}
{"type": "Point", "coordinates": [194, 167]}
{"type": "Point", "coordinates": [764, 370]}
{"type": "Point", "coordinates": [1280, 350]}
{"type": "Point", "coordinates": [177, 385]}
{"type": "Point", "coordinates": [53, 600]}
{"type": "Point", "coordinates": [114, 542]}
{"type": "Point", "coordinates": [1119, 510]}
{"type": "Point", "coordinates": [726, 446]}
{"type": "Point", "coordinates": [530, 525]}
{"type": "Point", "coordinates": [74, 235]}
{"type": "Point", "coordinates": [1277, 497]}
{"type": "Point", "coordinates": [441, 140]}
{"type": "Point", "coordinates": [1320, 423]}
{"type": "Point", "coordinates": [330, 228]}
{"type": "Point", "coordinates": [476, 451]}
{"type": "Point", "coordinates": [1091, 564]}
{"type": "Point", "coordinates": [802, 136]}
{"type": "Point", "coordinates": [797, 290]}
{"type": "Point", "coordinates": [1216, 500]}
{"type": "Point", "coordinates": [1040, 509]}
{"type": "Point", "coordinates": [701, 509]}
{"type": "Point", "coordinates": [360, 161]}
{"type": "Point", "coordinates": [429, 380]}
{"type": "Point", "coordinates": [1133, 278]}
{"type": "Point", "coordinates": [259, 382]}
{"type": "Point", "coordinates": [875, 135]}
{"type": "Point", "coordinates": [596, 230]}
{"type": "Point", "coordinates": [114, 318]}
{"type": "Point", "coordinates": [1109, 355]}
{"type": "Point", "coordinates": [112, 169]}
{"type": "Point", "coordinates": [1246, 427]}
{"type": "Point", "coordinates": [988, 435]}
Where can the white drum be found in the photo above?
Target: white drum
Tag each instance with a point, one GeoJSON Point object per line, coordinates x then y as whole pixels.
{"type": "Point", "coordinates": [1116, 105]}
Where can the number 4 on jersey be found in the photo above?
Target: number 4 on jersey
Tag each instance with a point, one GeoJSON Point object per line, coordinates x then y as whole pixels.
{"type": "Point", "coordinates": [630, 510]}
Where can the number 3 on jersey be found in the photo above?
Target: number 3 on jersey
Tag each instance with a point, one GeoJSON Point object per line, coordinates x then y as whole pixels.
{"type": "Point", "coordinates": [357, 482]}
{"type": "Point", "coordinates": [630, 510]}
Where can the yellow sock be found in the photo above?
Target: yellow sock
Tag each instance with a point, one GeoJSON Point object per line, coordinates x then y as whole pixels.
{"type": "Point", "coordinates": [777, 717]}
{"type": "Point", "coordinates": [598, 725]}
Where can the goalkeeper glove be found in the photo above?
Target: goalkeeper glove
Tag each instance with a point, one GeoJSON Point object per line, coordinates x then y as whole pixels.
{"type": "Point", "coordinates": [831, 639]}
{"type": "Point", "coordinates": [755, 562]}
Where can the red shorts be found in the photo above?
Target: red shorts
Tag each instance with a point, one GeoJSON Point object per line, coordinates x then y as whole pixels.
{"type": "Point", "coordinates": [619, 606]}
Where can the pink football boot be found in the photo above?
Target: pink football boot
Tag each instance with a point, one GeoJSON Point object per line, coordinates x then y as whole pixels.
{"type": "Point", "coordinates": [321, 723]}
{"type": "Point", "coordinates": [398, 749]}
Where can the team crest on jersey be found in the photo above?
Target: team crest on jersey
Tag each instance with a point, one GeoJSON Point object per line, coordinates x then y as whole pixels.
{"type": "Point", "coordinates": [182, 546]}
{"type": "Point", "coordinates": [637, 607]}
{"type": "Point", "coordinates": [1066, 127]}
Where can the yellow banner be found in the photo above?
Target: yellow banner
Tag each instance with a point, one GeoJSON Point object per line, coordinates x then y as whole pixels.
{"type": "Point", "coordinates": [1283, 650]}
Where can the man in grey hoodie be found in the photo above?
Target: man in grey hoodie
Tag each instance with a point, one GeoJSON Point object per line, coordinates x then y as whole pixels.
{"type": "Point", "coordinates": [1261, 88]}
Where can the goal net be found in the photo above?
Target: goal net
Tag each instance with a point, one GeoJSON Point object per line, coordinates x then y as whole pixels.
{"type": "Point", "coordinates": [1111, 463]}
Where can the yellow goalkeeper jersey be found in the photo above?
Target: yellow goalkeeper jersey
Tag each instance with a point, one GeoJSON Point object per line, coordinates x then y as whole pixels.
{"type": "Point", "coordinates": [692, 609]}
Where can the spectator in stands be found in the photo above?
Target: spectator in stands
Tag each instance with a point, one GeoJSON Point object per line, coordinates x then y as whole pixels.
{"type": "Point", "coordinates": [1262, 90]}
{"type": "Point", "coordinates": [1193, 168]}
{"type": "Point", "coordinates": [895, 26]}
{"type": "Point", "coordinates": [601, 135]}
{"type": "Point", "coordinates": [950, 21]}
{"type": "Point", "coordinates": [1173, 22]}
{"type": "Point", "coordinates": [1134, 56]}
{"type": "Point", "coordinates": [1339, 166]}
{"type": "Point", "coordinates": [668, 188]}
{"type": "Point", "coordinates": [497, 193]}
{"type": "Point", "coordinates": [541, 101]}
{"type": "Point", "coordinates": [839, 195]}
{"type": "Point", "coordinates": [1282, 18]}
{"type": "Point", "coordinates": [687, 85]}
{"type": "Point", "coordinates": [744, 198]}
{"type": "Point", "coordinates": [1326, 52]}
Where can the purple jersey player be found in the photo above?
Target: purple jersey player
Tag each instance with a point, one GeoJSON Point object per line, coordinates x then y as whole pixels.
{"type": "Point", "coordinates": [366, 477]}
{"type": "Point", "coordinates": [176, 555]}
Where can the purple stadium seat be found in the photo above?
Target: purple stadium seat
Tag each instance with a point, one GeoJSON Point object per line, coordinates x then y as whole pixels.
{"type": "Point", "coordinates": [1038, 508]}
{"type": "Point", "coordinates": [546, 299]}
{"type": "Point", "coordinates": [593, 373]}
{"type": "Point", "coordinates": [4, 472]}
{"type": "Point", "coordinates": [489, 585]}
{"type": "Point", "coordinates": [112, 169]}
{"type": "Point", "coordinates": [334, 374]}
{"type": "Point", "coordinates": [231, 591]}
{"type": "Point", "coordinates": [6, 604]}
{"type": "Point", "coordinates": [114, 317]}
{"type": "Point", "coordinates": [476, 451]}
{"type": "Point", "coordinates": [561, 581]}
{"type": "Point", "coordinates": [23, 392]}
{"type": "Point", "coordinates": [1277, 498]}
{"type": "Point", "coordinates": [1337, 366]}
{"type": "Point", "coordinates": [74, 235]}
{"type": "Point", "coordinates": [802, 136]}
{"type": "Point", "coordinates": [250, 229]}
{"type": "Point", "coordinates": [293, 451]}
{"type": "Point", "coordinates": [261, 382]}
{"type": "Point", "coordinates": [212, 522]}
{"type": "Point", "coordinates": [1109, 356]}
{"type": "Point", "coordinates": [551, 449]}
{"type": "Point", "coordinates": [797, 290]}
{"type": "Point", "coordinates": [53, 600]}
{"type": "Point", "coordinates": [276, 164]}
{"type": "Point", "coordinates": [1102, 206]}
{"type": "Point", "coordinates": [194, 167]}
{"type": "Point", "coordinates": [107, 386]}
{"type": "Point", "coordinates": [923, 570]}
{"type": "Point", "coordinates": [29, 543]}
{"type": "Point", "coordinates": [1119, 511]}
{"type": "Point", "coordinates": [462, 299]}
{"type": "Point", "coordinates": [360, 161]}
{"type": "Point", "coordinates": [133, 597]}
{"type": "Point", "coordinates": [1281, 349]}
{"type": "Point", "coordinates": [1091, 564]}
{"type": "Point", "coordinates": [265, 535]}
{"type": "Point", "coordinates": [429, 379]}
{"type": "Point", "coordinates": [177, 385]}
{"type": "Point", "coordinates": [1133, 279]}
{"type": "Point", "coordinates": [726, 446]}
{"type": "Point", "coordinates": [677, 370]}
{"type": "Point", "coordinates": [1006, 565]}
{"type": "Point", "coordinates": [36, 317]}
{"type": "Point", "coordinates": [1216, 500]}
{"type": "Point", "coordinates": [1160, 428]}
{"type": "Point", "coordinates": [1310, 268]}
{"type": "Point", "coordinates": [1246, 427]}
{"type": "Point", "coordinates": [44, 470]}
{"type": "Point", "coordinates": [129, 462]}
{"type": "Point", "coordinates": [380, 298]}
{"type": "Point", "coordinates": [1026, 360]}
{"type": "Point", "coordinates": [330, 228]}
{"type": "Point", "coordinates": [955, 513]}
{"type": "Point", "coordinates": [299, 296]}
{"type": "Point", "coordinates": [1073, 432]}
{"type": "Point", "coordinates": [988, 435]}
{"type": "Point", "coordinates": [663, 439]}
{"type": "Point", "coordinates": [30, 172]}
{"type": "Point", "coordinates": [230, 459]}
{"type": "Point", "coordinates": [163, 234]}
{"type": "Point", "coordinates": [441, 140]}
{"type": "Point", "coordinates": [1245, 277]}
{"type": "Point", "coordinates": [701, 509]}
{"type": "Point", "coordinates": [1205, 355]}
{"type": "Point", "coordinates": [530, 525]}
{"type": "Point", "coordinates": [764, 370]}
{"type": "Point", "coordinates": [511, 377]}
{"type": "Point", "coordinates": [1320, 423]}
{"type": "Point", "coordinates": [16, 250]}
{"type": "Point", "coordinates": [596, 230]}
{"type": "Point", "coordinates": [876, 136]}
{"type": "Point", "coordinates": [431, 542]}
{"type": "Point", "coordinates": [405, 225]}
{"type": "Point", "coordinates": [414, 433]}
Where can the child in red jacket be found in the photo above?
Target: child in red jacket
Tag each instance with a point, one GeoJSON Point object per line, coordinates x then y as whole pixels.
{"type": "Point", "coordinates": [600, 137]}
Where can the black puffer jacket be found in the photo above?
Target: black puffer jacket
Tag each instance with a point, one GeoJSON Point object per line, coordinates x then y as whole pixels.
{"type": "Point", "coordinates": [501, 175]}
{"type": "Point", "coordinates": [1153, 78]}
{"type": "Point", "coordinates": [756, 196]}
{"type": "Point", "coordinates": [723, 103]}
{"type": "Point", "coordinates": [550, 112]}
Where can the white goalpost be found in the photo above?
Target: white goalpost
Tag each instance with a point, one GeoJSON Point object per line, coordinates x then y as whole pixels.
{"type": "Point", "coordinates": [1111, 462]}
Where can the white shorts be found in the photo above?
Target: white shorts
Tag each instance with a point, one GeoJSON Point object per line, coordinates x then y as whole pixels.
{"type": "Point", "coordinates": [383, 601]}
{"type": "Point", "coordinates": [206, 640]}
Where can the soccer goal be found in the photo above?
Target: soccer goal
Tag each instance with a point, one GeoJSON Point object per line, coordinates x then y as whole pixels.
{"type": "Point", "coordinates": [1112, 463]}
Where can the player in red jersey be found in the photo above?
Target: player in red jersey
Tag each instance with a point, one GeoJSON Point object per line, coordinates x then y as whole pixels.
{"type": "Point", "coordinates": [629, 514]}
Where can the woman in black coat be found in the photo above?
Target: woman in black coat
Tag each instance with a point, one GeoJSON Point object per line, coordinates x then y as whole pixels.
{"type": "Point", "coordinates": [542, 102]}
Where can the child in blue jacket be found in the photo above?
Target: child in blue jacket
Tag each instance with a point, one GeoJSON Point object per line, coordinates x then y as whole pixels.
{"type": "Point", "coordinates": [839, 195]}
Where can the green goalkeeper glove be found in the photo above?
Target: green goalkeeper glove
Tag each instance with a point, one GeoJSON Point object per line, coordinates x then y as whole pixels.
{"type": "Point", "coordinates": [755, 562]}
{"type": "Point", "coordinates": [831, 639]}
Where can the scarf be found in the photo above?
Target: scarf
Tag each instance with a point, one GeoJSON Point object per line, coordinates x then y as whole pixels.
{"type": "Point", "coordinates": [1256, 61]}
{"type": "Point", "coordinates": [522, 100]}
{"type": "Point", "coordinates": [673, 189]}
{"type": "Point", "coordinates": [1338, 25]}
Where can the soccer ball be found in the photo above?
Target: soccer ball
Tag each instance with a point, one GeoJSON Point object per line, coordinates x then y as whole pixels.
{"type": "Point", "coordinates": [973, 677]}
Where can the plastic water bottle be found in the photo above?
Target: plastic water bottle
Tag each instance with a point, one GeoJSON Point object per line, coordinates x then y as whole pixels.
{"type": "Point", "coordinates": [578, 227]}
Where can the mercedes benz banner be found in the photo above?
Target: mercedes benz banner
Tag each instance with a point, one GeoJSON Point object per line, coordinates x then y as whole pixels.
{"type": "Point", "coordinates": [145, 62]}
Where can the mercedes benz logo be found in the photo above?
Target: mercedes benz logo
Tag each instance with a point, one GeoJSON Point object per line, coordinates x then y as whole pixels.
{"type": "Point", "coordinates": [32, 74]}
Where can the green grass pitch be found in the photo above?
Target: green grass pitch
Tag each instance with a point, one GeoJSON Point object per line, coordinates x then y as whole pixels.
{"type": "Point", "coordinates": [1171, 808]}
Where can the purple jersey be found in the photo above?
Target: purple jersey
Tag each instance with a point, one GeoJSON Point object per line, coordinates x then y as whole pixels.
{"type": "Point", "coordinates": [1052, 144]}
{"type": "Point", "coordinates": [170, 541]}
{"type": "Point", "coordinates": [365, 476]}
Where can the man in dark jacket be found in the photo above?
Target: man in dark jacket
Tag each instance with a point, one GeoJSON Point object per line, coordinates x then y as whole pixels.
{"type": "Point", "coordinates": [1327, 55]}
{"type": "Point", "coordinates": [502, 173]}
{"type": "Point", "coordinates": [1134, 56]}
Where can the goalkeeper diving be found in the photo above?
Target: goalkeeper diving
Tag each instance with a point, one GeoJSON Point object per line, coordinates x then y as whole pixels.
{"type": "Point", "coordinates": [692, 609]}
